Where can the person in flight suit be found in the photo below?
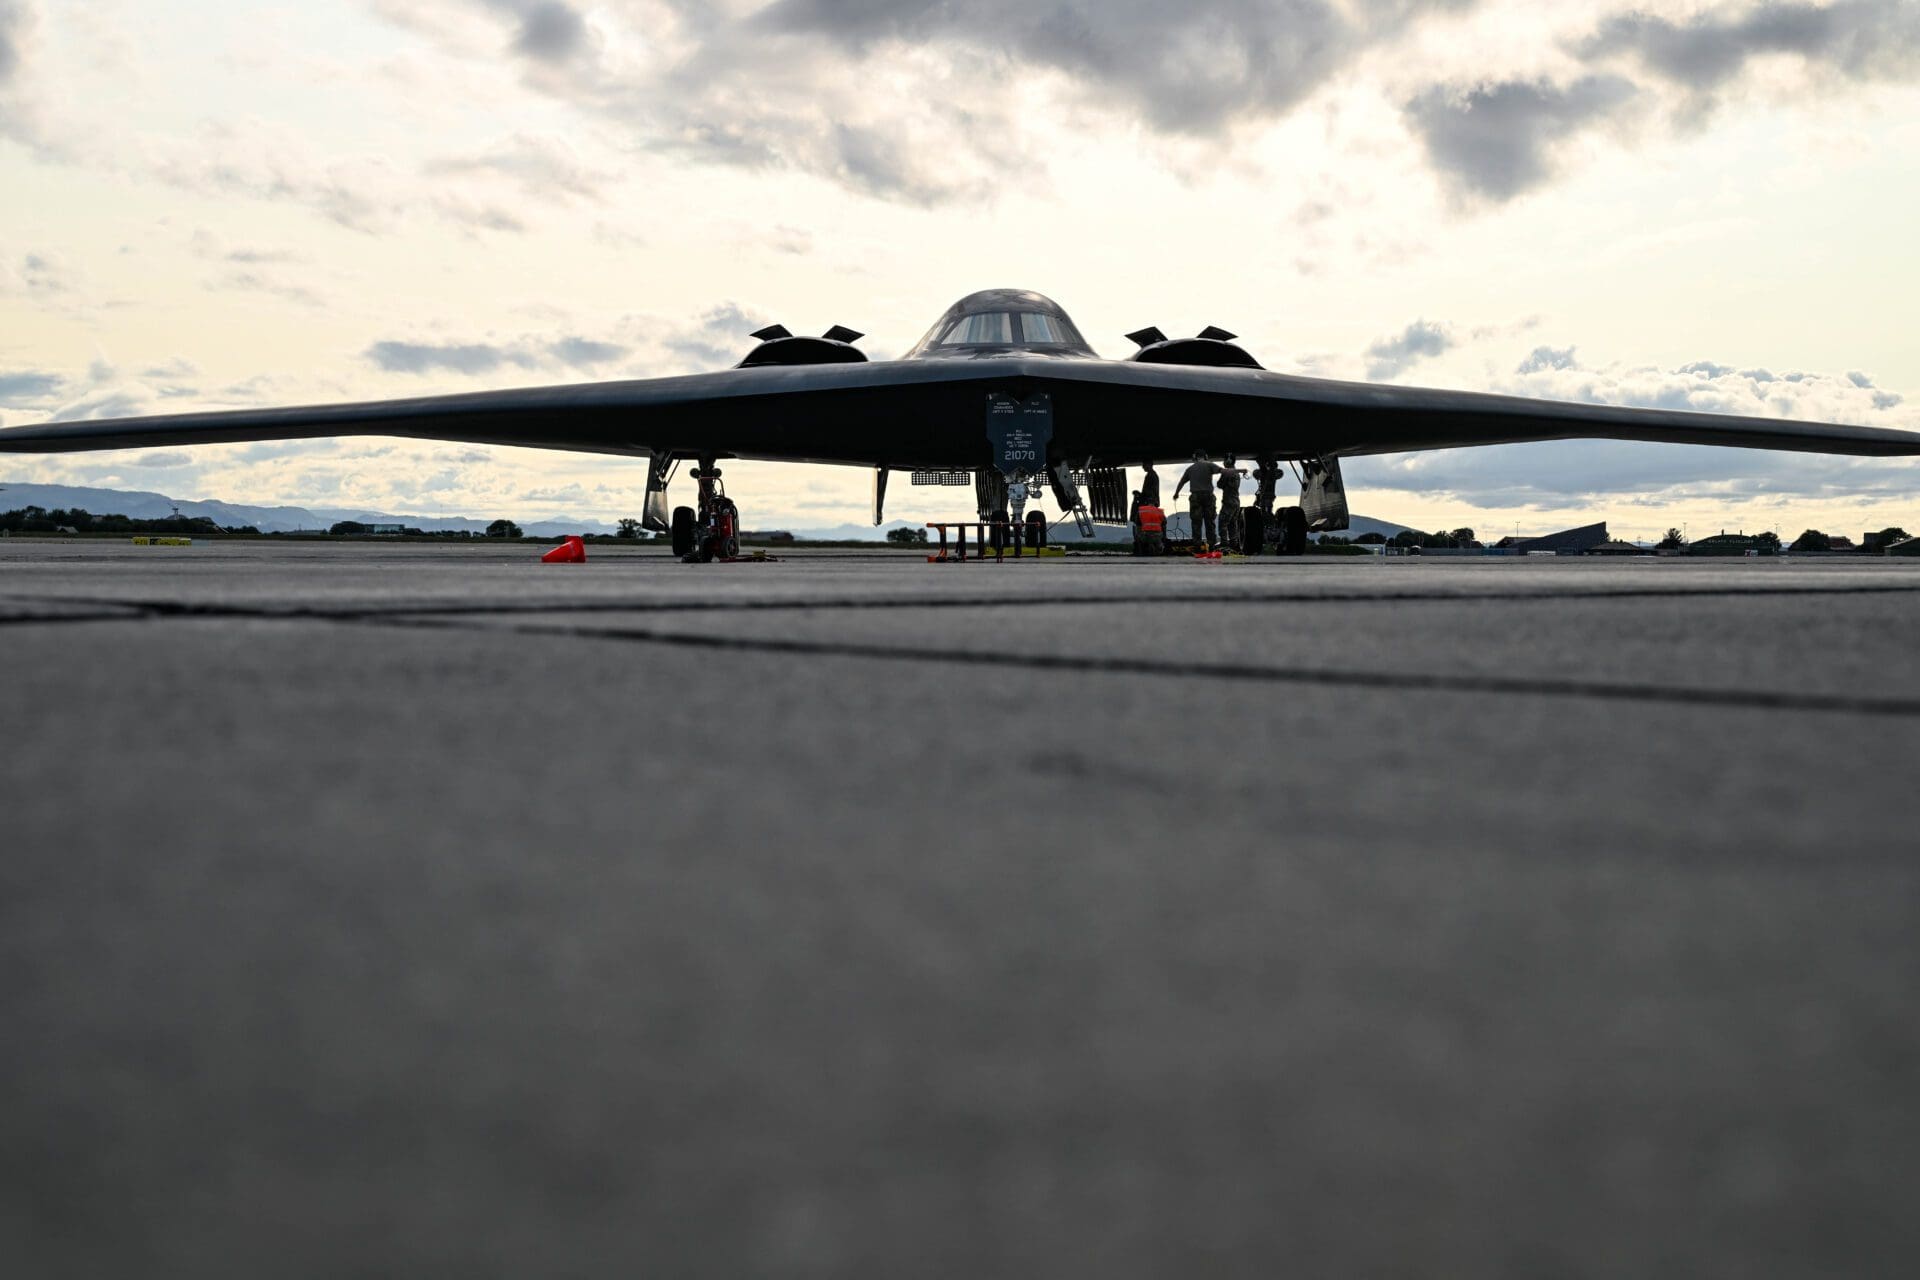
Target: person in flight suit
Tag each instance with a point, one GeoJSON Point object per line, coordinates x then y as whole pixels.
{"type": "Point", "coordinates": [1200, 505]}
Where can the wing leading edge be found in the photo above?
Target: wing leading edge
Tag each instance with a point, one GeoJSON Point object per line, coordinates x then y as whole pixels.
{"type": "Point", "coordinates": [929, 412]}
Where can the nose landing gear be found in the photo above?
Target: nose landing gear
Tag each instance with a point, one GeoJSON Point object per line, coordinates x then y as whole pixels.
{"type": "Point", "coordinates": [713, 531]}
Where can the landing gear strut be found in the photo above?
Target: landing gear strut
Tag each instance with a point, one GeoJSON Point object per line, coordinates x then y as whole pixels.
{"type": "Point", "coordinates": [713, 531]}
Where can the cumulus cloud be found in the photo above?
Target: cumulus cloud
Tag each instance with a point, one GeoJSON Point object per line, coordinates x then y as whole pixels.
{"type": "Point", "coordinates": [258, 164]}
{"type": "Point", "coordinates": [551, 32]}
{"type": "Point", "coordinates": [542, 167]}
{"type": "Point", "coordinates": [477, 216]}
{"type": "Point", "coordinates": [1598, 476]}
{"type": "Point", "coordinates": [1854, 39]}
{"type": "Point", "coordinates": [918, 100]}
{"type": "Point", "coordinates": [365, 193]}
{"type": "Point", "coordinates": [205, 244]}
{"type": "Point", "coordinates": [106, 403]}
{"type": "Point", "coordinates": [569, 495]}
{"type": "Point", "coordinates": [429, 357]}
{"type": "Point", "coordinates": [586, 352]}
{"type": "Point", "coordinates": [1576, 473]}
{"type": "Point", "coordinates": [1881, 399]}
{"type": "Point", "coordinates": [717, 340]}
{"type": "Point", "coordinates": [1493, 140]}
{"type": "Point", "coordinates": [40, 274]}
{"type": "Point", "coordinates": [1709, 386]}
{"type": "Point", "coordinates": [22, 114]}
{"type": "Point", "coordinates": [26, 389]}
{"type": "Point", "coordinates": [14, 16]}
{"type": "Point", "coordinates": [473, 359]}
{"type": "Point", "coordinates": [1542, 358]}
{"type": "Point", "coordinates": [1421, 340]}
{"type": "Point", "coordinates": [1190, 68]}
{"type": "Point", "coordinates": [264, 283]}
{"type": "Point", "coordinates": [1623, 476]}
{"type": "Point", "coordinates": [1497, 140]}
{"type": "Point", "coordinates": [921, 101]}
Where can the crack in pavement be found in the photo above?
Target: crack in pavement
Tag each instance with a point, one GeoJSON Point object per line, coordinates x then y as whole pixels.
{"type": "Point", "coordinates": [1762, 699]}
{"type": "Point", "coordinates": [453, 619]}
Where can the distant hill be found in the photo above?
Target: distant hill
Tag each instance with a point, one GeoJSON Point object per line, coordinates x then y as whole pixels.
{"type": "Point", "coordinates": [232, 515]}
{"type": "Point", "coordinates": [141, 505]}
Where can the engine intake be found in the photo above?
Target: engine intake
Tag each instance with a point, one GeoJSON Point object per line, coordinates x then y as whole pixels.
{"type": "Point", "coordinates": [779, 346]}
{"type": "Point", "coordinates": [1214, 347]}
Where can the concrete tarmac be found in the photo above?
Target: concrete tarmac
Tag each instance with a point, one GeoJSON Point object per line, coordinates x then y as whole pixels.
{"type": "Point", "coordinates": [394, 910]}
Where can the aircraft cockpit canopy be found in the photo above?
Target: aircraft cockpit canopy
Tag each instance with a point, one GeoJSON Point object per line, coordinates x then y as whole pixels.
{"type": "Point", "coordinates": [1003, 320]}
{"type": "Point", "coordinates": [1009, 329]}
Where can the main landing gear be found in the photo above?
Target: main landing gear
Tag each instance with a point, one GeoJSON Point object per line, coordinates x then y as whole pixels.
{"type": "Point", "coordinates": [712, 532]}
{"type": "Point", "coordinates": [1285, 528]}
{"type": "Point", "coordinates": [1285, 531]}
{"type": "Point", "coordinates": [1293, 531]}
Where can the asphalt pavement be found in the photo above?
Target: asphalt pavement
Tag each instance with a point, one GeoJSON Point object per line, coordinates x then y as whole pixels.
{"type": "Point", "coordinates": [389, 910]}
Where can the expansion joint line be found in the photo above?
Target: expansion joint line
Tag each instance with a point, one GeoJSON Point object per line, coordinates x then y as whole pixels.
{"type": "Point", "coordinates": [1763, 699]}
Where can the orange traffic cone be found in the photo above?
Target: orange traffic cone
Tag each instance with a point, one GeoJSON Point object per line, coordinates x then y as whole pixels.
{"type": "Point", "coordinates": [572, 551]}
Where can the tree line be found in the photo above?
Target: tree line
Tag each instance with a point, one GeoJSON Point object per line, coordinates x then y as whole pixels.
{"type": "Point", "coordinates": [41, 520]}
{"type": "Point", "coordinates": [32, 519]}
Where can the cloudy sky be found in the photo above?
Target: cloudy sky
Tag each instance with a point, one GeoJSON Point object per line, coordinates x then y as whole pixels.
{"type": "Point", "coordinates": [237, 203]}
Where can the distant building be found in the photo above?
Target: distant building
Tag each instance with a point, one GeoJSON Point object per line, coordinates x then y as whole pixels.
{"type": "Point", "coordinates": [773, 536]}
{"type": "Point", "coordinates": [1911, 547]}
{"type": "Point", "coordinates": [386, 530]}
{"type": "Point", "coordinates": [1614, 547]}
{"type": "Point", "coordinates": [1724, 544]}
{"type": "Point", "coordinates": [1568, 542]}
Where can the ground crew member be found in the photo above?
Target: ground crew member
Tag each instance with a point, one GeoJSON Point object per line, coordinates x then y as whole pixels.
{"type": "Point", "coordinates": [1200, 506]}
{"type": "Point", "coordinates": [1233, 525]}
{"type": "Point", "coordinates": [1267, 474]}
{"type": "Point", "coordinates": [1149, 528]}
{"type": "Point", "coordinates": [1150, 487]}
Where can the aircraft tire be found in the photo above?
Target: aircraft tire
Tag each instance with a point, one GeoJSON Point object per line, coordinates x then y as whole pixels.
{"type": "Point", "coordinates": [684, 531]}
{"type": "Point", "coordinates": [1293, 531]}
{"type": "Point", "coordinates": [1256, 531]}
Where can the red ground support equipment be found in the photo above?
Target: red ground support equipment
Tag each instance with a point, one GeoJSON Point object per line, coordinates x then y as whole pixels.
{"type": "Point", "coordinates": [1150, 531]}
{"type": "Point", "coordinates": [572, 551]}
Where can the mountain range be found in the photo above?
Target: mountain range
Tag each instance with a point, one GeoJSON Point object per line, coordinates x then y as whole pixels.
{"type": "Point", "coordinates": [141, 505]}
{"type": "Point", "coordinates": [233, 515]}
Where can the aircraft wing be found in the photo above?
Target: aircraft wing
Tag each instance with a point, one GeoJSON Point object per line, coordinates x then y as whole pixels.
{"type": "Point", "coordinates": [1255, 411]}
{"type": "Point", "coordinates": [930, 413]}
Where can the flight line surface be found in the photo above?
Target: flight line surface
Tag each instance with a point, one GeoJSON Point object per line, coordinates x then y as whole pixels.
{"type": "Point", "coordinates": [380, 909]}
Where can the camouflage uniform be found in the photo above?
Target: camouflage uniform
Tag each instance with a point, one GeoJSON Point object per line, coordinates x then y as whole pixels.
{"type": "Point", "coordinates": [1233, 525]}
{"type": "Point", "coordinates": [1200, 506]}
